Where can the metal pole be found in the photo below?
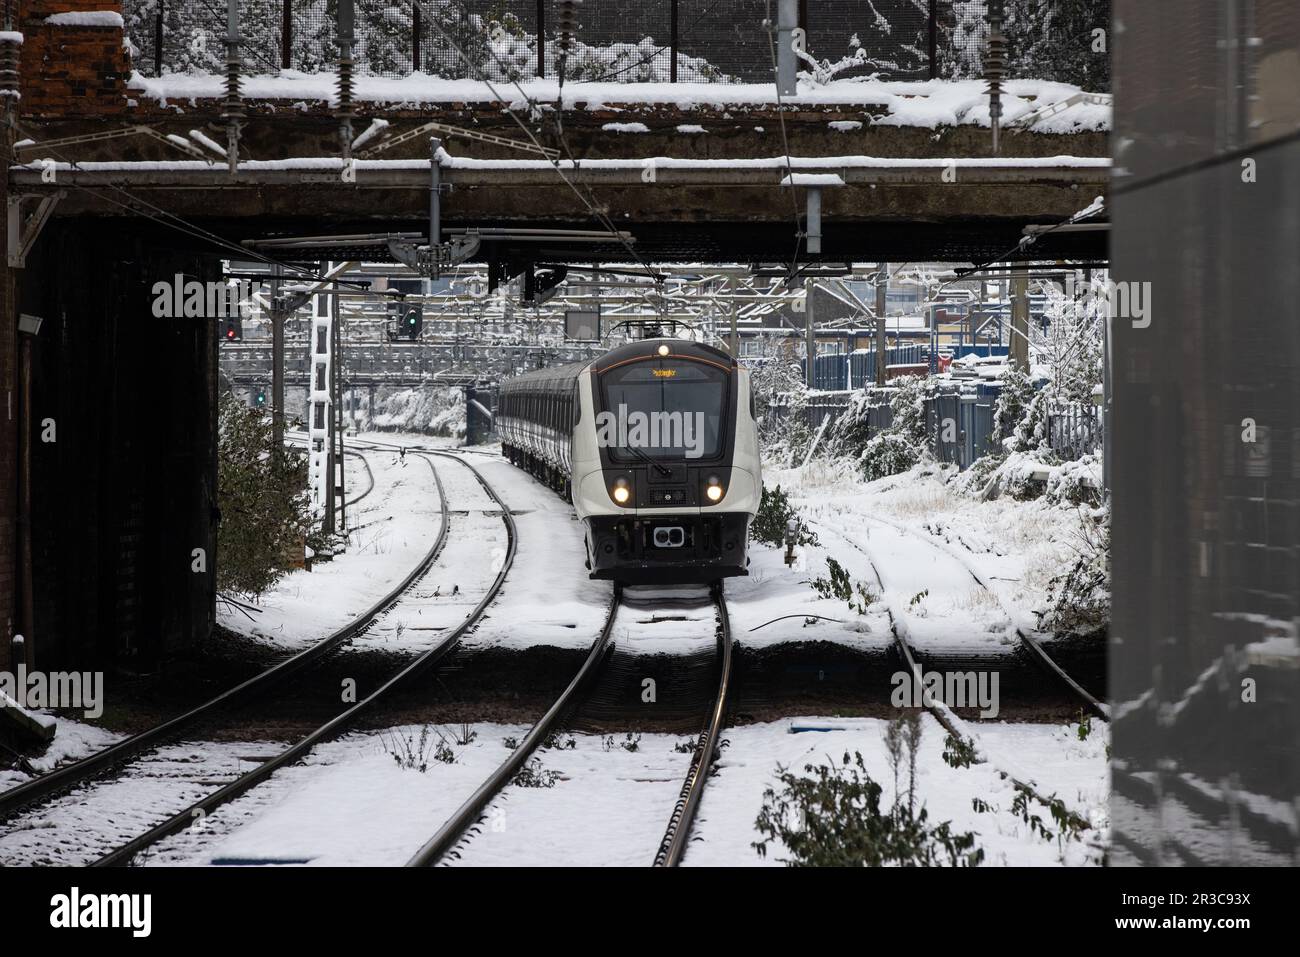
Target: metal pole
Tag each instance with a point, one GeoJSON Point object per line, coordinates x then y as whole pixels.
{"type": "Point", "coordinates": [786, 65]}
{"type": "Point", "coordinates": [415, 37]}
{"type": "Point", "coordinates": [810, 287]}
{"type": "Point", "coordinates": [327, 521]}
{"type": "Point", "coordinates": [995, 63]}
{"type": "Point", "coordinates": [277, 360]}
{"type": "Point", "coordinates": [813, 233]}
{"type": "Point", "coordinates": [286, 34]}
{"type": "Point", "coordinates": [344, 111]}
{"type": "Point", "coordinates": [234, 111]}
{"type": "Point", "coordinates": [435, 195]}
{"type": "Point", "coordinates": [672, 43]}
{"type": "Point", "coordinates": [735, 333]}
{"type": "Point", "coordinates": [932, 39]}
{"type": "Point", "coordinates": [157, 40]}
{"type": "Point", "coordinates": [882, 341]}
{"type": "Point", "coordinates": [541, 38]}
{"type": "Point", "coordinates": [1020, 320]}
{"type": "Point", "coordinates": [336, 367]}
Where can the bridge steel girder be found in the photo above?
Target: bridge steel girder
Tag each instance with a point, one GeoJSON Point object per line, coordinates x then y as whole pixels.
{"type": "Point", "coordinates": [703, 210]}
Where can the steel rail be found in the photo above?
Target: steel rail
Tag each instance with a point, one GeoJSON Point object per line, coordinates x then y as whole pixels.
{"type": "Point", "coordinates": [200, 809]}
{"type": "Point", "coordinates": [678, 833]}
{"type": "Point", "coordinates": [1099, 708]}
{"type": "Point", "coordinates": [60, 779]}
{"type": "Point", "coordinates": [450, 834]}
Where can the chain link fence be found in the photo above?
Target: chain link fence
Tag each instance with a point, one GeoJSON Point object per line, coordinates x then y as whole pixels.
{"type": "Point", "coordinates": [624, 41]}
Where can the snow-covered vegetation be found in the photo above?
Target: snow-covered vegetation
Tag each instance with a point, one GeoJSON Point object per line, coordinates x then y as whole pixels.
{"type": "Point", "coordinates": [426, 411]}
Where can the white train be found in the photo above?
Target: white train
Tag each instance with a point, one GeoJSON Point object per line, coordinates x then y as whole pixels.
{"type": "Point", "coordinates": [656, 445]}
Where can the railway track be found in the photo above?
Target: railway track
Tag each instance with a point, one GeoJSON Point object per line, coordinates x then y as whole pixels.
{"type": "Point", "coordinates": [199, 810]}
{"type": "Point", "coordinates": [1027, 640]}
{"type": "Point", "coordinates": [678, 830]}
{"type": "Point", "coordinates": [55, 782]}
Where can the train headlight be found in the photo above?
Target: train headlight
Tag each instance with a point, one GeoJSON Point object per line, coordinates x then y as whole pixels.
{"type": "Point", "coordinates": [663, 350]}
{"type": "Point", "coordinates": [714, 490]}
{"type": "Point", "coordinates": [621, 492]}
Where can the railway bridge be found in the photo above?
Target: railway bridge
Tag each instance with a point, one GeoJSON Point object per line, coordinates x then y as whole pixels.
{"type": "Point", "coordinates": [144, 149]}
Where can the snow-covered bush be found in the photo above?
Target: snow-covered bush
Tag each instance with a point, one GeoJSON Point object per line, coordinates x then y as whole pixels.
{"type": "Point", "coordinates": [1031, 432]}
{"type": "Point", "coordinates": [833, 817]}
{"type": "Point", "coordinates": [439, 411]}
{"type": "Point", "coordinates": [781, 403]}
{"type": "Point", "coordinates": [1076, 483]}
{"type": "Point", "coordinates": [774, 514]}
{"type": "Point", "coordinates": [1014, 397]}
{"type": "Point", "coordinates": [888, 454]}
{"type": "Point", "coordinates": [905, 443]}
{"type": "Point", "coordinates": [263, 500]}
{"type": "Point", "coordinates": [1079, 600]}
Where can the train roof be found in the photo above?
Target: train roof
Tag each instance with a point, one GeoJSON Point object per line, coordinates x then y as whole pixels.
{"type": "Point", "coordinates": [631, 350]}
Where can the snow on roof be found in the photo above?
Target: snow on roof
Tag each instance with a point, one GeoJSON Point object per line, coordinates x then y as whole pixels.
{"type": "Point", "coordinates": [811, 179]}
{"type": "Point", "coordinates": [927, 103]}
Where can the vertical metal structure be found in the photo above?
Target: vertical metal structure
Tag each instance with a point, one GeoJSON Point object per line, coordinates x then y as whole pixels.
{"type": "Point", "coordinates": [932, 39]}
{"type": "Point", "coordinates": [286, 34]}
{"type": "Point", "coordinates": [787, 22]}
{"type": "Point", "coordinates": [344, 112]}
{"type": "Point", "coordinates": [277, 359]}
{"type": "Point", "coordinates": [320, 424]}
{"type": "Point", "coordinates": [1019, 348]}
{"type": "Point", "coordinates": [233, 113]}
{"type": "Point", "coordinates": [337, 469]}
{"type": "Point", "coordinates": [810, 337]}
{"type": "Point", "coordinates": [995, 66]}
{"type": "Point", "coordinates": [672, 42]}
{"type": "Point", "coordinates": [882, 340]}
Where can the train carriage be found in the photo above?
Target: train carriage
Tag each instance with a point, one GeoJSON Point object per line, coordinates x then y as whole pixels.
{"type": "Point", "coordinates": [656, 445]}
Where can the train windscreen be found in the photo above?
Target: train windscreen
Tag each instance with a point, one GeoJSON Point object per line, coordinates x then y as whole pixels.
{"type": "Point", "coordinates": [664, 408]}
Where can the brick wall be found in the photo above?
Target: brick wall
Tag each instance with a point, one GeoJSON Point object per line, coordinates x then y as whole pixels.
{"type": "Point", "coordinates": [72, 70]}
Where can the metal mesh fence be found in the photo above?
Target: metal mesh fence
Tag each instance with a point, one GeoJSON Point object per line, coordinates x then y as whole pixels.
{"type": "Point", "coordinates": [710, 41]}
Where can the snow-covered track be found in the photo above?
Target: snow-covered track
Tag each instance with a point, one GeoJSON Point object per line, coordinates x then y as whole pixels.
{"type": "Point", "coordinates": [456, 827]}
{"type": "Point", "coordinates": [678, 833]}
{"type": "Point", "coordinates": [125, 854]}
{"type": "Point", "coordinates": [1034, 646]}
{"type": "Point", "coordinates": [103, 762]}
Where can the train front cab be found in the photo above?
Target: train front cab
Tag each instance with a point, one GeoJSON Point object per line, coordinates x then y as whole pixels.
{"type": "Point", "coordinates": [680, 518]}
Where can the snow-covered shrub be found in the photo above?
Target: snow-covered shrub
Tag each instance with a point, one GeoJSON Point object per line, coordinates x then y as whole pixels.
{"type": "Point", "coordinates": [905, 443]}
{"type": "Point", "coordinates": [1031, 432]}
{"type": "Point", "coordinates": [1016, 393]}
{"type": "Point", "coordinates": [888, 454]}
{"type": "Point", "coordinates": [832, 817]}
{"type": "Point", "coordinates": [781, 403]}
{"type": "Point", "coordinates": [854, 594]}
{"type": "Point", "coordinates": [439, 411]}
{"type": "Point", "coordinates": [1077, 482]}
{"type": "Point", "coordinates": [1079, 600]}
{"type": "Point", "coordinates": [773, 516]}
{"type": "Point", "coordinates": [263, 500]}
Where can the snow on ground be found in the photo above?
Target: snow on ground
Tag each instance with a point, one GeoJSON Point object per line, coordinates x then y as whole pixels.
{"type": "Point", "coordinates": [76, 829]}
{"type": "Point", "coordinates": [1068, 767]}
{"type": "Point", "coordinates": [906, 521]}
{"type": "Point", "coordinates": [72, 740]}
{"type": "Point", "coordinates": [351, 803]}
{"type": "Point", "coordinates": [348, 803]}
{"type": "Point", "coordinates": [393, 528]}
{"type": "Point", "coordinates": [608, 807]}
{"type": "Point", "coordinates": [547, 598]}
